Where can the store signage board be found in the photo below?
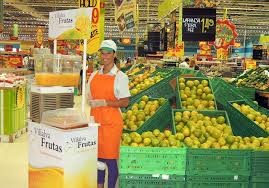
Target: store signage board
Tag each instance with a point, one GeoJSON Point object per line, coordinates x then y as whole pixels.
{"type": "Point", "coordinates": [166, 7]}
{"type": "Point", "coordinates": [62, 158]}
{"type": "Point", "coordinates": [199, 24]}
{"type": "Point", "coordinates": [93, 44]}
{"type": "Point", "coordinates": [72, 24]}
{"type": "Point", "coordinates": [125, 14]}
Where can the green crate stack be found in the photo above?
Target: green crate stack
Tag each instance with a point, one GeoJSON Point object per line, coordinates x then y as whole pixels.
{"type": "Point", "coordinates": [160, 120]}
{"type": "Point", "coordinates": [242, 125]}
{"type": "Point", "coordinates": [155, 160]}
{"type": "Point", "coordinates": [151, 181]}
{"type": "Point", "coordinates": [178, 98]}
{"type": "Point", "coordinates": [259, 169]}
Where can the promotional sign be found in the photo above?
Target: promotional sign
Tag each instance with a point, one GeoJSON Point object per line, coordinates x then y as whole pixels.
{"type": "Point", "coordinates": [93, 44]}
{"type": "Point", "coordinates": [166, 7]}
{"type": "Point", "coordinates": [1, 16]}
{"type": "Point", "coordinates": [39, 37]}
{"type": "Point", "coordinates": [199, 24]}
{"type": "Point", "coordinates": [125, 14]}
{"type": "Point", "coordinates": [250, 64]}
{"type": "Point", "coordinates": [15, 61]}
{"type": "Point", "coordinates": [205, 48]}
{"type": "Point", "coordinates": [225, 34]}
{"type": "Point", "coordinates": [70, 24]}
{"type": "Point", "coordinates": [222, 54]}
{"type": "Point", "coordinates": [62, 158]}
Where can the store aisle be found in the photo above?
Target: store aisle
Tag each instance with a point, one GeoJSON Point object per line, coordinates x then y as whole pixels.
{"type": "Point", "coordinates": [14, 158]}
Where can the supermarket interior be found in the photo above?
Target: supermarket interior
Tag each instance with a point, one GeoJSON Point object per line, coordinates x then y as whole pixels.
{"type": "Point", "coordinates": [134, 94]}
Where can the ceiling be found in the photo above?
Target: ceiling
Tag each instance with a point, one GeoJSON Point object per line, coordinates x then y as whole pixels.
{"type": "Point", "coordinates": [250, 17]}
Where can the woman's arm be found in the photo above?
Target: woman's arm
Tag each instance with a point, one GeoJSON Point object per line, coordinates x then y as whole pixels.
{"type": "Point", "coordinates": [120, 103]}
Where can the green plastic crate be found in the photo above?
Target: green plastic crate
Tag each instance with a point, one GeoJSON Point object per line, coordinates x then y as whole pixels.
{"type": "Point", "coordinates": [248, 92]}
{"type": "Point", "coordinates": [223, 93]}
{"type": "Point", "coordinates": [212, 184]}
{"type": "Point", "coordinates": [209, 113]}
{"type": "Point", "coordinates": [155, 160]}
{"type": "Point", "coordinates": [161, 120]}
{"type": "Point", "coordinates": [154, 89]}
{"type": "Point", "coordinates": [217, 181]}
{"type": "Point", "coordinates": [148, 181]}
{"type": "Point", "coordinates": [259, 184]}
{"type": "Point", "coordinates": [218, 178]}
{"type": "Point", "coordinates": [178, 98]}
{"type": "Point", "coordinates": [243, 126]}
{"type": "Point", "coordinates": [260, 165]}
{"type": "Point", "coordinates": [214, 162]}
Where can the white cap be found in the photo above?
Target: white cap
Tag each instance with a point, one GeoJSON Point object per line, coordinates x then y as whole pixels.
{"type": "Point", "coordinates": [108, 45]}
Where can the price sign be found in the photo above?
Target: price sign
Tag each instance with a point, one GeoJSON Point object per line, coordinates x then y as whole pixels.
{"type": "Point", "coordinates": [199, 24]}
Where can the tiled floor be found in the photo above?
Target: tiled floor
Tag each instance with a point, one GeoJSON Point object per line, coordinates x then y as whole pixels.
{"type": "Point", "coordinates": [14, 159]}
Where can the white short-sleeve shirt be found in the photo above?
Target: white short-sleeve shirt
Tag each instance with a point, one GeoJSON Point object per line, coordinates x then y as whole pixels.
{"type": "Point", "coordinates": [121, 88]}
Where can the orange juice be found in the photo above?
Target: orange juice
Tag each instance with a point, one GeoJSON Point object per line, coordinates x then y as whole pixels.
{"type": "Point", "coordinates": [57, 79]}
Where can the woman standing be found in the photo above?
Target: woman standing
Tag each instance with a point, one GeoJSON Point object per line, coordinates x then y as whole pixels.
{"type": "Point", "coordinates": [108, 92]}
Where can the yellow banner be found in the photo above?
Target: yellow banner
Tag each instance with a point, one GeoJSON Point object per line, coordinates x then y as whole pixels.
{"type": "Point", "coordinates": [94, 42]}
{"type": "Point", "coordinates": [264, 39]}
{"type": "Point", "coordinates": [125, 14]}
{"type": "Point", "coordinates": [166, 7]}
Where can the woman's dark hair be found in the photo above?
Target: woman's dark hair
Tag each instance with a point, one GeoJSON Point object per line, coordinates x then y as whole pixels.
{"type": "Point", "coordinates": [187, 59]}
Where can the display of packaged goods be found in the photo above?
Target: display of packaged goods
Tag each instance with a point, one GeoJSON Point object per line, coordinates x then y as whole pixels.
{"type": "Point", "coordinates": [57, 70]}
{"type": "Point", "coordinates": [11, 80]}
{"type": "Point", "coordinates": [65, 118]}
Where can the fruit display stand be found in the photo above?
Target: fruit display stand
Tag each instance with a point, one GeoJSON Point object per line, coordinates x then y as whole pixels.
{"type": "Point", "coordinates": [212, 167]}
{"type": "Point", "coordinates": [62, 158]}
{"type": "Point", "coordinates": [246, 127]}
{"type": "Point", "coordinates": [189, 82]}
{"type": "Point", "coordinates": [161, 119]}
{"type": "Point", "coordinates": [13, 105]}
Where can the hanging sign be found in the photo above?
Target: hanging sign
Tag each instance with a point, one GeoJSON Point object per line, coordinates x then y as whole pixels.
{"type": "Point", "coordinates": [199, 24]}
{"type": "Point", "coordinates": [70, 24]}
{"type": "Point", "coordinates": [15, 61]}
{"type": "Point", "coordinates": [225, 34]}
{"type": "Point", "coordinates": [166, 7]}
{"type": "Point", "coordinates": [93, 44]}
{"type": "Point", "coordinates": [125, 14]}
{"type": "Point", "coordinates": [39, 37]}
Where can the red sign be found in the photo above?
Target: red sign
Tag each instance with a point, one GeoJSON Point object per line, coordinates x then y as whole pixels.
{"type": "Point", "coordinates": [15, 61]}
{"type": "Point", "coordinates": [225, 34]}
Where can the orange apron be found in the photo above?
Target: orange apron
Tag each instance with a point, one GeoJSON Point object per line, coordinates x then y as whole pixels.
{"type": "Point", "coordinates": [109, 133]}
